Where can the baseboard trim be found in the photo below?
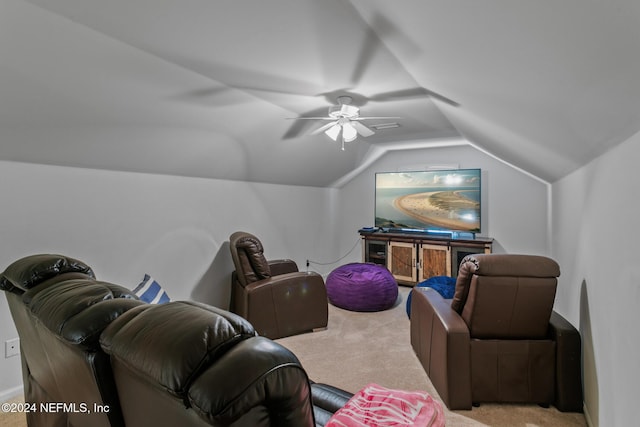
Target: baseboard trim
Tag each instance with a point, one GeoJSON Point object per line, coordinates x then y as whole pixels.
{"type": "Point", "coordinates": [587, 417]}
{"type": "Point", "coordinates": [11, 393]}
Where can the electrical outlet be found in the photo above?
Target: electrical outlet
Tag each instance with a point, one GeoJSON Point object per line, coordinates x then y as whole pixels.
{"type": "Point", "coordinates": [12, 347]}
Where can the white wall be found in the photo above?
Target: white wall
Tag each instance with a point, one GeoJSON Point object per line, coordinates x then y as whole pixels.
{"type": "Point", "coordinates": [514, 205]}
{"type": "Point", "coordinates": [125, 225]}
{"type": "Point", "coordinates": [595, 211]}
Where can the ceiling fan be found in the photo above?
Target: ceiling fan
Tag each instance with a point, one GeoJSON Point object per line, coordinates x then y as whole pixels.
{"type": "Point", "coordinates": [344, 122]}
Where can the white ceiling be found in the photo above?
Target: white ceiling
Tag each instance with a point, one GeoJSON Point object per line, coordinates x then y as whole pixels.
{"type": "Point", "coordinates": [206, 88]}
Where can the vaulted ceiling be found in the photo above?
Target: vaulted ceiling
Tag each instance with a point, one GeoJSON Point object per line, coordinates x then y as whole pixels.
{"type": "Point", "coordinates": [207, 88]}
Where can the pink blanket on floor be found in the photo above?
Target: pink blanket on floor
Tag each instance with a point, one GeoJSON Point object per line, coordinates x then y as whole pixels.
{"type": "Point", "coordinates": [376, 406]}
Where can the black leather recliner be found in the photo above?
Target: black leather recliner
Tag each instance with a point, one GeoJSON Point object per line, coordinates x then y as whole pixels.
{"type": "Point", "coordinates": [117, 361]}
{"type": "Point", "coordinates": [60, 310]}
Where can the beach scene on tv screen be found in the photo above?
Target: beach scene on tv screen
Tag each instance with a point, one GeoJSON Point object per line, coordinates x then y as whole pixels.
{"type": "Point", "coordinates": [438, 200]}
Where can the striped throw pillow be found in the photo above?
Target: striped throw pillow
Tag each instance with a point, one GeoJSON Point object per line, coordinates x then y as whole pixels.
{"type": "Point", "coordinates": [150, 291]}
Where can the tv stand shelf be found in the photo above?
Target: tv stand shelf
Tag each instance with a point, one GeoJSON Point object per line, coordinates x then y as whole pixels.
{"type": "Point", "coordinates": [413, 257]}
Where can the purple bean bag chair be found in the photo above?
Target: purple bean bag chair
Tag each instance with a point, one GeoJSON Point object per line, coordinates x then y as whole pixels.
{"type": "Point", "coordinates": [362, 287]}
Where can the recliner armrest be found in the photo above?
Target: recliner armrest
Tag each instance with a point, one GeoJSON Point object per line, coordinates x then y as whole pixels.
{"type": "Point", "coordinates": [329, 397]}
{"type": "Point", "coordinates": [283, 280]}
{"type": "Point", "coordinates": [441, 340]}
{"type": "Point", "coordinates": [282, 266]}
{"type": "Point", "coordinates": [256, 372]}
{"type": "Point", "coordinates": [568, 364]}
{"type": "Point", "coordinates": [286, 304]}
{"type": "Point", "coordinates": [327, 400]}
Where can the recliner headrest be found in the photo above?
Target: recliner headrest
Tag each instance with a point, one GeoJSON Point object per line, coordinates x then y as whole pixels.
{"type": "Point", "coordinates": [499, 265]}
{"type": "Point", "coordinates": [511, 265]}
{"type": "Point", "coordinates": [173, 356]}
{"type": "Point", "coordinates": [32, 270]}
{"type": "Point", "coordinates": [79, 310]}
{"type": "Point", "coordinates": [249, 257]}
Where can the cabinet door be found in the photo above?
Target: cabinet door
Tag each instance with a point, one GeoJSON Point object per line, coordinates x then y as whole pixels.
{"type": "Point", "coordinates": [401, 261]}
{"type": "Point", "coordinates": [435, 260]}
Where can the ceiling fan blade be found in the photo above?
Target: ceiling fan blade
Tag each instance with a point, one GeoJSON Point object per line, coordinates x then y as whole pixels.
{"type": "Point", "coordinates": [369, 48]}
{"type": "Point", "coordinates": [213, 97]}
{"type": "Point", "coordinates": [362, 129]}
{"type": "Point", "coordinates": [412, 93]}
{"type": "Point", "coordinates": [374, 118]}
{"type": "Point", "coordinates": [251, 79]}
{"type": "Point", "coordinates": [378, 29]}
{"type": "Point", "coordinates": [442, 98]}
{"type": "Point", "coordinates": [323, 128]}
{"type": "Point", "coordinates": [309, 118]}
{"type": "Point", "coordinates": [299, 128]}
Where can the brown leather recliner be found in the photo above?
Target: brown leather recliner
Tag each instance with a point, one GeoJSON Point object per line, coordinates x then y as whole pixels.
{"type": "Point", "coordinates": [274, 296]}
{"type": "Point", "coordinates": [104, 358]}
{"type": "Point", "coordinates": [498, 340]}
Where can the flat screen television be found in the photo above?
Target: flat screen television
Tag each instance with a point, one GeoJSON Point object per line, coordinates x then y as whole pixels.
{"type": "Point", "coordinates": [437, 200]}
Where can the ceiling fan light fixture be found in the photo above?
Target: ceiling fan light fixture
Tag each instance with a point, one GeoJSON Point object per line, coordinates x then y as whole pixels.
{"type": "Point", "coordinates": [345, 122]}
{"type": "Point", "coordinates": [333, 132]}
{"type": "Point", "coordinates": [349, 133]}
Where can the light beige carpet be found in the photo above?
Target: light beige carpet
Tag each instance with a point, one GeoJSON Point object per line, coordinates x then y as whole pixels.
{"type": "Point", "coordinates": [13, 419]}
{"type": "Point", "coordinates": [361, 348]}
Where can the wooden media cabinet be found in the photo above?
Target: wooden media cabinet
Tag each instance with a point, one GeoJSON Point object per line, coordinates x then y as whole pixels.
{"type": "Point", "coordinates": [413, 257]}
